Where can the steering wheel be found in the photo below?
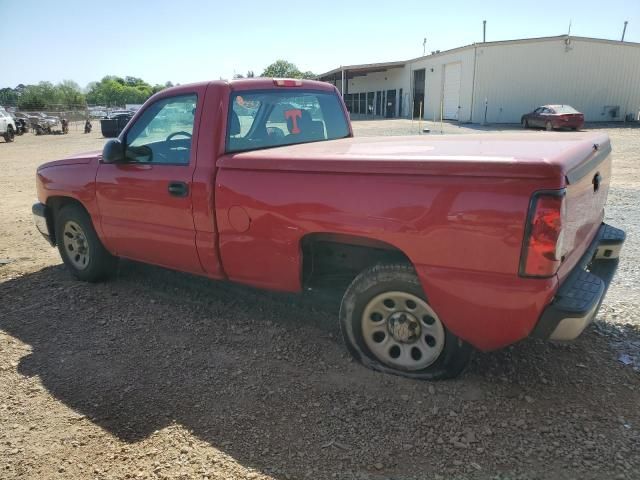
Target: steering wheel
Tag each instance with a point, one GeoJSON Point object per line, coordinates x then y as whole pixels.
{"type": "Point", "coordinates": [175, 134]}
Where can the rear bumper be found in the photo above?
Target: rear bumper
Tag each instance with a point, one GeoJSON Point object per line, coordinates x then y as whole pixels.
{"type": "Point", "coordinates": [581, 294]}
{"type": "Point", "coordinates": [570, 124]}
{"type": "Point", "coordinates": [40, 218]}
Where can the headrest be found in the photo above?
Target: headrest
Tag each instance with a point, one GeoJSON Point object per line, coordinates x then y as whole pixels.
{"type": "Point", "coordinates": [303, 122]}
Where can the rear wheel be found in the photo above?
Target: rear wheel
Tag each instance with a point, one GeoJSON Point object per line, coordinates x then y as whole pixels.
{"type": "Point", "coordinates": [9, 135]}
{"type": "Point", "coordinates": [388, 325]}
{"type": "Point", "coordinates": [79, 246]}
{"type": "Point", "coordinates": [525, 123]}
{"type": "Point", "coordinates": [548, 126]}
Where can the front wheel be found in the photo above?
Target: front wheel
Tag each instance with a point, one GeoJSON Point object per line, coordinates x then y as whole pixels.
{"type": "Point", "coordinates": [525, 123]}
{"type": "Point", "coordinates": [9, 135]}
{"type": "Point", "coordinates": [79, 246]}
{"type": "Point", "coordinates": [388, 325]}
{"type": "Point", "coordinates": [548, 126]}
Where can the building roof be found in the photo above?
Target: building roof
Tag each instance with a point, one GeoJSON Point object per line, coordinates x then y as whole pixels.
{"type": "Point", "coordinates": [365, 68]}
{"type": "Point", "coordinates": [360, 70]}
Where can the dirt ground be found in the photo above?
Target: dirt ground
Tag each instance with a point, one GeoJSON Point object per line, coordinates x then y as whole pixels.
{"type": "Point", "coordinates": [158, 374]}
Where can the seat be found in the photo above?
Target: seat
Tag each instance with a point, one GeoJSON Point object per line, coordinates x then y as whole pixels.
{"type": "Point", "coordinates": [234, 125]}
{"type": "Point", "coordinates": [309, 129]}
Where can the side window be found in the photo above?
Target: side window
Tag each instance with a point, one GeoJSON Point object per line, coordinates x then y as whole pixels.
{"type": "Point", "coordinates": [163, 132]}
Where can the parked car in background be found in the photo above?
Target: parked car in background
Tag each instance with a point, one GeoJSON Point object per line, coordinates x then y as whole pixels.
{"type": "Point", "coordinates": [7, 126]}
{"type": "Point", "coordinates": [52, 120]}
{"type": "Point", "coordinates": [554, 116]}
{"type": "Point", "coordinates": [22, 124]}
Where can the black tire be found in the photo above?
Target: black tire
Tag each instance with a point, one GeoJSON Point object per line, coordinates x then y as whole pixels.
{"type": "Point", "coordinates": [9, 135]}
{"type": "Point", "coordinates": [100, 263]}
{"type": "Point", "coordinates": [548, 126]}
{"type": "Point", "coordinates": [525, 123]}
{"type": "Point", "coordinates": [369, 285]}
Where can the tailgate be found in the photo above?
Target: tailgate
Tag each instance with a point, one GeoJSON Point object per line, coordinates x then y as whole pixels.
{"type": "Point", "coordinates": [587, 187]}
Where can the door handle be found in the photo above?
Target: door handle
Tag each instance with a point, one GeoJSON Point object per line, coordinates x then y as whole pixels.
{"type": "Point", "coordinates": [178, 189]}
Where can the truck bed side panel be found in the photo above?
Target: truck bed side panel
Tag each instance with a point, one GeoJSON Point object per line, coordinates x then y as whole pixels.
{"type": "Point", "coordinates": [449, 227]}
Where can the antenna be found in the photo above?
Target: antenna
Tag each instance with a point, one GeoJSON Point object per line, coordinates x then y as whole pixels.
{"type": "Point", "coordinates": [424, 46]}
{"type": "Point", "coordinates": [569, 32]}
{"type": "Point", "coordinates": [624, 30]}
{"type": "Point", "coordinates": [484, 31]}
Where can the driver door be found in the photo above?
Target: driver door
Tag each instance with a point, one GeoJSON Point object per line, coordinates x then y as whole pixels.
{"type": "Point", "coordinates": [145, 201]}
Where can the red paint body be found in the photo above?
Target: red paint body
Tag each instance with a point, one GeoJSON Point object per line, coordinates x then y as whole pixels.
{"type": "Point", "coordinates": [456, 206]}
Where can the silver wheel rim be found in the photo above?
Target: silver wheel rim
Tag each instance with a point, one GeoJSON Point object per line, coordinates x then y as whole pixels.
{"type": "Point", "coordinates": [402, 331]}
{"type": "Point", "coordinates": [76, 245]}
{"type": "Point", "coordinates": [549, 127]}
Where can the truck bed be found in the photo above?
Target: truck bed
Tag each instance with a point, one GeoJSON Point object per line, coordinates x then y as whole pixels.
{"type": "Point", "coordinates": [516, 155]}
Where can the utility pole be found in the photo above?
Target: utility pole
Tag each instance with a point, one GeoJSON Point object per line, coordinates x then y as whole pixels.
{"type": "Point", "coordinates": [424, 46]}
{"type": "Point", "coordinates": [484, 31]}
{"type": "Point", "coordinates": [624, 30]}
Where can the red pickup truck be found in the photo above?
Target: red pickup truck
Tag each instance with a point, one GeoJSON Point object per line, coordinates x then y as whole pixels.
{"type": "Point", "coordinates": [444, 243]}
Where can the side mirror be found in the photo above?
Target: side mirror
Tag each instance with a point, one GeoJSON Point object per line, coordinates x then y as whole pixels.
{"type": "Point", "coordinates": [113, 151]}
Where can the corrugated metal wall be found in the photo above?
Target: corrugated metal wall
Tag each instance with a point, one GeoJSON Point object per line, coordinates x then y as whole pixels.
{"type": "Point", "coordinates": [589, 75]}
{"type": "Point", "coordinates": [434, 81]}
{"type": "Point", "coordinates": [517, 76]}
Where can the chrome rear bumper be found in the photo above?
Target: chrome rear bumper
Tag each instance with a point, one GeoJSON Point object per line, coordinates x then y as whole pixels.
{"type": "Point", "coordinates": [581, 294]}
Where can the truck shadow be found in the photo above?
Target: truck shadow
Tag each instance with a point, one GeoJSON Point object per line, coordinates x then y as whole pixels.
{"type": "Point", "coordinates": [264, 377]}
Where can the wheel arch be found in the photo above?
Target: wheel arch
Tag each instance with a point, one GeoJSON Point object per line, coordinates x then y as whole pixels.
{"type": "Point", "coordinates": [54, 205]}
{"type": "Point", "coordinates": [336, 258]}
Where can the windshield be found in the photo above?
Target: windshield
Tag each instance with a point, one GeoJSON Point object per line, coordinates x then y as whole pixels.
{"type": "Point", "coordinates": [564, 109]}
{"type": "Point", "coordinates": [272, 118]}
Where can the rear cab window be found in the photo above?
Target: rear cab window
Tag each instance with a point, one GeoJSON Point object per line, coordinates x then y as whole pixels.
{"type": "Point", "coordinates": [273, 118]}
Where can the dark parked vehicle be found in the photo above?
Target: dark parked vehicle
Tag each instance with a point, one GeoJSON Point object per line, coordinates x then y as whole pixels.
{"type": "Point", "coordinates": [46, 120]}
{"type": "Point", "coordinates": [554, 116]}
{"type": "Point", "coordinates": [115, 123]}
{"type": "Point", "coordinates": [22, 125]}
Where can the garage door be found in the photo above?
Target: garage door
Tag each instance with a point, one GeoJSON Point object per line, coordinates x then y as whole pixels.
{"type": "Point", "coordinates": [451, 90]}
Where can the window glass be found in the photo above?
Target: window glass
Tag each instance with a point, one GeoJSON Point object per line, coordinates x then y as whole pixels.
{"type": "Point", "coordinates": [163, 133]}
{"type": "Point", "coordinates": [565, 109]}
{"type": "Point", "coordinates": [262, 119]}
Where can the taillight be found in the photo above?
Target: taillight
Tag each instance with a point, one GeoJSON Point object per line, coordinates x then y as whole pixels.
{"type": "Point", "coordinates": [542, 246]}
{"type": "Point", "coordinates": [286, 82]}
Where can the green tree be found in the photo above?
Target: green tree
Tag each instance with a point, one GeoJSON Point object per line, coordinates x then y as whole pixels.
{"type": "Point", "coordinates": [39, 97]}
{"type": "Point", "coordinates": [118, 91]}
{"type": "Point", "coordinates": [284, 69]}
{"type": "Point", "coordinates": [70, 95]}
{"type": "Point", "coordinates": [8, 97]}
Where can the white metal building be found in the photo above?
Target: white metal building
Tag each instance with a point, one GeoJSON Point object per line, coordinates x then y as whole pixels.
{"type": "Point", "coordinates": [501, 80]}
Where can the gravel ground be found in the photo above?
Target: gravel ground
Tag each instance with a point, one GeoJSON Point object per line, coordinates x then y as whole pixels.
{"type": "Point", "coordinates": [159, 374]}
